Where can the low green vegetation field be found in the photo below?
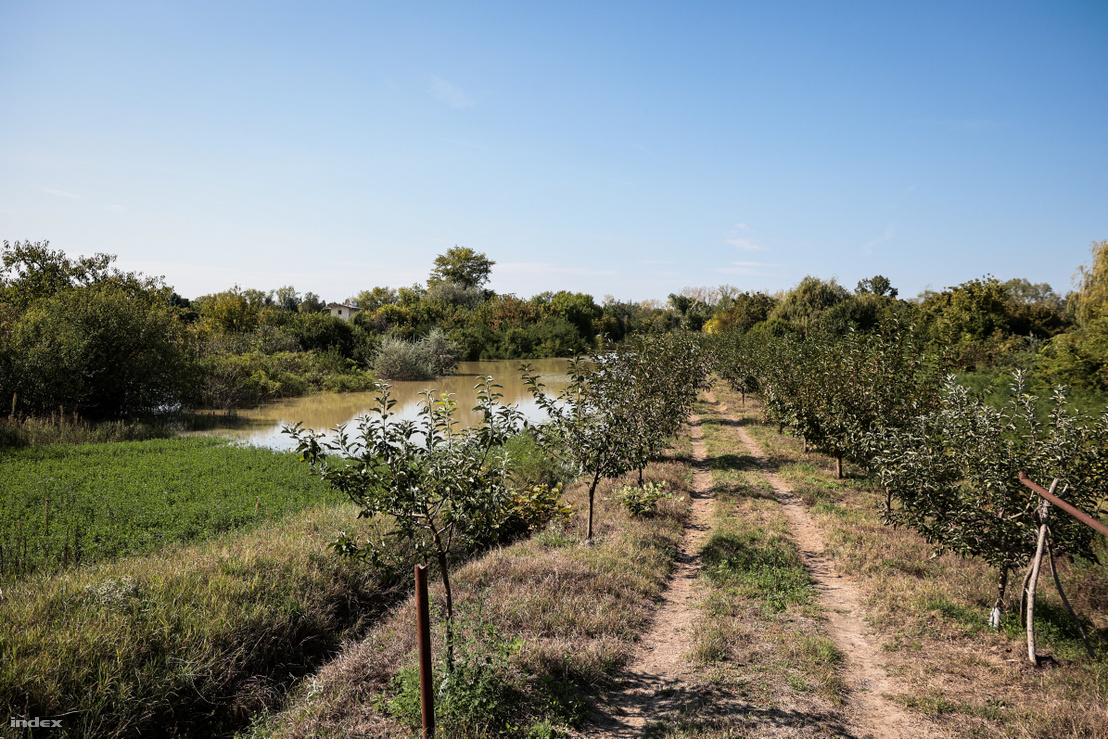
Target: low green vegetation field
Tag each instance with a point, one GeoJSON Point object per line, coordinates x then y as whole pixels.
{"type": "Point", "coordinates": [68, 503]}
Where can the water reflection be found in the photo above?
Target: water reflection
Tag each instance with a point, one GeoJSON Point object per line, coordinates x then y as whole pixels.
{"type": "Point", "coordinates": [262, 426]}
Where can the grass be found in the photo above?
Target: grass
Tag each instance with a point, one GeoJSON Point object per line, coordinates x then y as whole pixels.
{"type": "Point", "coordinates": [931, 613]}
{"type": "Point", "coordinates": [191, 641]}
{"type": "Point", "coordinates": [68, 504]}
{"type": "Point", "coordinates": [547, 623]}
{"type": "Point", "coordinates": [17, 431]}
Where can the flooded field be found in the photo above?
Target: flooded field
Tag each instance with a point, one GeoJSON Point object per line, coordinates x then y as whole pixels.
{"type": "Point", "coordinates": [262, 426]}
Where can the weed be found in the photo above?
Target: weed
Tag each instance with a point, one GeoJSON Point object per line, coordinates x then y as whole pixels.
{"type": "Point", "coordinates": [643, 501]}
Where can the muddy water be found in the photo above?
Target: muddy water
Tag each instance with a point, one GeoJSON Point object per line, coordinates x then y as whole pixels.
{"type": "Point", "coordinates": [262, 426]}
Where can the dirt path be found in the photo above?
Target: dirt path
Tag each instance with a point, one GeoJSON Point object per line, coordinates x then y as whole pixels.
{"type": "Point", "coordinates": [655, 683]}
{"type": "Point", "coordinates": [868, 711]}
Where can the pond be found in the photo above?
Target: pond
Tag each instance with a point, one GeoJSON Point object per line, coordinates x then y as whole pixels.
{"type": "Point", "coordinates": [262, 426]}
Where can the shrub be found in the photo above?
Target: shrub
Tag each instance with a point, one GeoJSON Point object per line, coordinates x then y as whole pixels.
{"type": "Point", "coordinates": [425, 359]}
{"type": "Point", "coordinates": [643, 501]}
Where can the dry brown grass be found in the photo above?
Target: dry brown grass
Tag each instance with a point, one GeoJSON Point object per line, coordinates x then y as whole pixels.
{"type": "Point", "coordinates": [575, 610]}
{"type": "Point", "coordinates": [931, 612]}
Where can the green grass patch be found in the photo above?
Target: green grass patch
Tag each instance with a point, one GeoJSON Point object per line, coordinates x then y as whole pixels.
{"type": "Point", "coordinates": [188, 642]}
{"type": "Point", "coordinates": [68, 504]}
{"type": "Point", "coordinates": [769, 571]}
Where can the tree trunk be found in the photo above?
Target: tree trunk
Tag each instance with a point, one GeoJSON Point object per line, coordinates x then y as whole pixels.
{"type": "Point", "coordinates": [1044, 514]}
{"type": "Point", "coordinates": [640, 477]}
{"type": "Point", "coordinates": [444, 573]}
{"type": "Point", "coordinates": [838, 468]}
{"type": "Point", "coordinates": [805, 439]}
{"type": "Point", "coordinates": [998, 606]}
{"type": "Point", "coordinates": [1065, 600]}
{"type": "Point", "coordinates": [592, 495]}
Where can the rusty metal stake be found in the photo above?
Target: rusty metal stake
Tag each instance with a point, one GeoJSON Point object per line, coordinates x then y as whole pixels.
{"type": "Point", "coordinates": [423, 630]}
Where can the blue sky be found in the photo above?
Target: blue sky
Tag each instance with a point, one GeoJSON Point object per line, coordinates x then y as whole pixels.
{"type": "Point", "coordinates": [624, 148]}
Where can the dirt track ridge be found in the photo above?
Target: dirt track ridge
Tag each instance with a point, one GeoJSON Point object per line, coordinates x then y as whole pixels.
{"type": "Point", "coordinates": [869, 712]}
{"type": "Point", "coordinates": [655, 682]}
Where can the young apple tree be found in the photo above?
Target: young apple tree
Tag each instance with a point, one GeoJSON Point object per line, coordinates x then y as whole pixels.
{"type": "Point", "coordinates": [444, 487]}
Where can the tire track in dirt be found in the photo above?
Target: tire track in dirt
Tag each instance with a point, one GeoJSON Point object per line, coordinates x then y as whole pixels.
{"type": "Point", "coordinates": [656, 683]}
{"type": "Point", "coordinates": [869, 712]}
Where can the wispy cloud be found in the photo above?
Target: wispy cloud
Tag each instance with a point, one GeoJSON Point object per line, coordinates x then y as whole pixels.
{"type": "Point", "coordinates": [740, 236]}
{"type": "Point", "coordinates": [655, 261]}
{"type": "Point", "coordinates": [60, 193]}
{"type": "Point", "coordinates": [867, 248]}
{"type": "Point", "coordinates": [451, 94]}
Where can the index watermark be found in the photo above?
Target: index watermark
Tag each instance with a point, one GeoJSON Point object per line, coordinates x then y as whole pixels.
{"type": "Point", "coordinates": [35, 723]}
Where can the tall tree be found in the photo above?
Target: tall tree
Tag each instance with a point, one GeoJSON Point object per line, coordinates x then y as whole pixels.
{"type": "Point", "coordinates": [1090, 300]}
{"type": "Point", "coordinates": [461, 266]}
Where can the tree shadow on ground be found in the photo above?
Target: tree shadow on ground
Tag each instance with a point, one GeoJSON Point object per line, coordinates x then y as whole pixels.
{"type": "Point", "coordinates": [729, 422]}
{"type": "Point", "coordinates": [698, 708]}
{"type": "Point", "coordinates": [733, 462]}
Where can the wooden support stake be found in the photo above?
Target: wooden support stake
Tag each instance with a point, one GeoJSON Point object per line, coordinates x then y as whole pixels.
{"type": "Point", "coordinates": [423, 630]}
{"type": "Point", "coordinates": [1033, 582]}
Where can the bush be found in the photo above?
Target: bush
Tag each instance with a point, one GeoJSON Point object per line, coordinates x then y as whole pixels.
{"type": "Point", "coordinates": [100, 351]}
{"type": "Point", "coordinates": [643, 501]}
{"type": "Point", "coordinates": [401, 360]}
{"type": "Point", "coordinates": [431, 357]}
{"type": "Point", "coordinates": [242, 380]}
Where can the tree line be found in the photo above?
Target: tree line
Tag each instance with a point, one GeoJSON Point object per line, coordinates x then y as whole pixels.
{"type": "Point", "coordinates": [79, 336]}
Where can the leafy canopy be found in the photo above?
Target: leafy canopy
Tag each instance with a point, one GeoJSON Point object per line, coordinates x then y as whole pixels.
{"type": "Point", "coordinates": [461, 266]}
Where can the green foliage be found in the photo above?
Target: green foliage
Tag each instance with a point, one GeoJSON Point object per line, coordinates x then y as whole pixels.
{"type": "Point", "coordinates": [619, 408]}
{"type": "Point", "coordinates": [231, 311]}
{"type": "Point", "coordinates": [531, 464]}
{"type": "Point", "coordinates": [1078, 358]}
{"type": "Point", "coordinates": [100, 351]}
{"type": "Point", "coordinates": [876, 285]}
{"type": "Point", "coordinates": [740, 312]}
{"type": "Point", "coordinates": [953, 475]}
{"type": "Point", "coordinates": [371, 300]}
{"type": "Point", "coordinates": [576, 308]}
{"type": "Point", "coordinates": [443, 487]}
{"type": "Point", "coordinates": [243, 380]}
{"type": "Point", "coordinates": [643, 501]}
{"type": "Point", "coordinates": [864, 312]}
{"type": "Point", "coordinates": [808, 301]}
{"type": "Point", "coordinates": [30, 272]}
{"type": "Point", "coordinates": [125, 498]}
{"type": "Point", "coordinates": [461, 266]}
{"type": "Point", "coordinates": [834, 390]}
{"type": "Point", "coordinates": [324, 332]}
{"type": "Point", "coordinates": [80, 335]}
{"type": "Point", "coordinates": [980, 321]}
{"type": "Point", "coordinates": [532, 509]}
{"type": "Point", "coordinates": [481, 694]}
{"type": "Point", "coordinates": [1090, 300]}
{"type": "Point", "coordinates": [433, 356]}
